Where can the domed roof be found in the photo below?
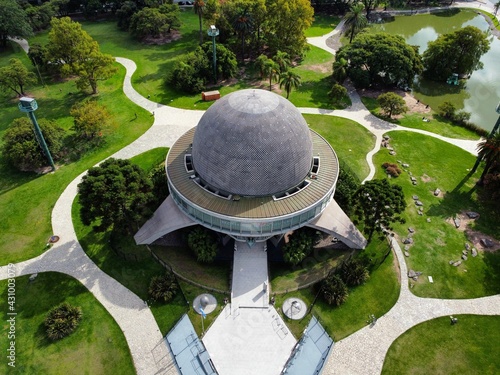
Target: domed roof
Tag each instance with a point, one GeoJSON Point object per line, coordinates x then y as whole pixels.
{"type": "Point", "coordinates": [252, 143]}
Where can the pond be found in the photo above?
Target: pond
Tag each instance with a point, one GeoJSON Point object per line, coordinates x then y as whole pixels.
{"type": "Point", "coordinates": [479, 94]}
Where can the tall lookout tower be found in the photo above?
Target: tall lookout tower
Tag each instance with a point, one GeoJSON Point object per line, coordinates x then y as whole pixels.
{"type": "Point", "coordinates": [252, 169]}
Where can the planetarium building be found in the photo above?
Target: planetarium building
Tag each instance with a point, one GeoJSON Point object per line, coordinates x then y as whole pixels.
{"type": "Point", "coordinates": [253, 170]}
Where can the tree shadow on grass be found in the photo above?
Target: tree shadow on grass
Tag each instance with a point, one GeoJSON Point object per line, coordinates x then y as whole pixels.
{"type": "Point", "coordinates": [319, 91]}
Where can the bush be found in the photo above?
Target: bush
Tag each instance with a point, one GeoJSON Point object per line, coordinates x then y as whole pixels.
{"type": "Point", "coordinates": [338, 93]}
{"type": "Point", "coordinates": [447, 110]}
{"type": "Point", "coordinates": [300, 245]}
{"type": "Point", "coordinates": [347, 185]}
{"type": "Point", "coordinates": [62, 320]}
{"type": "Point", "coordinates": [203, 244]}
{"type": "Point", "coordinates": [21, 149]}
{"type": "Point", "coordinates": [163, 287]}
{"type": "Point", "coordinates": [335, 291]}
{"type": "Point", "coordinates": [391, 169]}
{"type": "Point", "coordinates": [353, 272]}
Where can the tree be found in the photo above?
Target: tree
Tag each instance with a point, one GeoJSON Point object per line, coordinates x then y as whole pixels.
{"type": "Point", "coordinates": [489, 151]}
{"type": "Point", "coordinates": [76, 53]}
{"type": "Point", "coordinates": [378, 205]}
{"type": "Point", "coordinates": [286, 22]}
{"type": "Point", "coordinates": [283, 60]}
{"type": "Point", "coordinates": [339, 70]}
{"type": "Point", "coordinates": [21, 149]}
{"type": "Point", "coordinates": [381, 58]}
{"type": "Point", "coordinates": [447, 110]}
{"type": "Point", "coordinates": [13, 22]}
{"type": "Point", "coordinates": [300, 244]}
{"type": "Point", "coordinates": [115, 195]}
{"type": "Point", "coordinates": [155, 22]}
{"type": "Point", "coordinates": [38, 56]}
{"type": "Point", "coordinates": [353, 272]}
{"type": "Point", "coordinates": [270, 69]}
{"type": "Point", "coordinates": [289, 80]}
{"type": "Point", "coordinates": [226, 63]}
{"type": "Point", "coordinates": [346, 188]}
{"type": "Point", "coordinates": [457, 52]}
{"type": "Point", "coordinates": [163, 288]}
{"type": "Point", "coordinates": [90, 118]}
{"type": "Point", "coordinates": [370, 5]}
{"type": "Point", "coordinates": [335, 291]}
{"type": "Point", "coordinates": [392, 104]}
{"type": "Point", "coordinates": [199, 9]}
{"type": "Point", "coordinates": [242, 25]}
{"type": "Point", "coordinates": [261, 63]}
{"type": "Point", "coordinates": [337, 93]}
{"type": "Point", "coordinates": [39, 16]}
{"type": "Point", "coordinates": [125, 13]}
{"type": "Point", "coordinates": [354, 21]}
{"type": "Point", "coordinates": [16, 76]}
{"type": "Point", "coordinates": [62, 320]}
{"type": "Point", "coordinates": [203, 244]}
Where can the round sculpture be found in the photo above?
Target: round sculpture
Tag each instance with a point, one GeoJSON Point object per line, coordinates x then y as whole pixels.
{"type": "Point", "coordinates": [252, 143]}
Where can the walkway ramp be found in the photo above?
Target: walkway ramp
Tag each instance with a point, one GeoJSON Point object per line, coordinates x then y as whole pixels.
{"type": "Point", "coordinates": [250, 285]}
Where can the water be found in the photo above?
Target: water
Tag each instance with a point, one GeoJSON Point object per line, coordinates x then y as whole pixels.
{"type": "Point", "coordinates": [480, 94]}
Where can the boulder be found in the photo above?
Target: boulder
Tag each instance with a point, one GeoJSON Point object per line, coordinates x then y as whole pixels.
{"type": "Point", "coordinates": [457, 263]}
{"type": "Point", "coordinates": [390, 148]}
{"type": "Point", "coordinates": [413, 179]}
{"type": "Point", "coordinates": [414, 183]}
{"type": "Point", "coordinates": [457, 222]}
{"type": "Point", "coordinates": [420, 208]}
{"type": "Point", "coordinates": [386, 137]}
{"type": "Point", "coordinates": [437, 192]}
{"type": "Point", "coordinates": [419, 203]}
{"type": "Point", "coordinates": [392, 152]}
{"type": "Point", "coordinates": [413, 275]}
{"type": "Point", "coordinates": [472, 215]}
{"type": "Point", "coordinates": [464, 257]}
{"type": "Point", "coordinates": [420, 213]}
{"type": "Point", "coordinates": [408, 241]}
{"type": "Point", "coordinates": [405, 165]}
{"type": "Point", "coordinates": [407, 254]}
{"type": "Point", "coordinates": [415, 197]}
{"type": "Point", "coordinates": [428, 219]}
{"type": "Point", "coordinates": [451, 262]}
{"type": "Point", "coordinates": [407, 247]}
{"type": "Point", "coordinates": [464, 252]}
{"type": "Point", "coordinates": [486, 242]}
{"type": "Point", "coordinates": [467, 246]}
{"type": "Point", "coordinates": [474, 252]}
{"type": "Point", "coordinates": [411, 230]}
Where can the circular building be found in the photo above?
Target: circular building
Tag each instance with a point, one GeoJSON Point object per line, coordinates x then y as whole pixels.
{"type": "Point", "coordinates": [251, 169]}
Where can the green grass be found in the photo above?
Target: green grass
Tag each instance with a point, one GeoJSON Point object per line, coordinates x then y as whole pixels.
{"type": "Point", "coordinates": [437, 164]}
{"type": "Point", "coordinates": [437, 125]}
{"type": "Point", "coordinates": [350, 140]}
{"type": "Point", "coordinates": [98, 345]}
{"type": "Point", "coordinates": [491, 17]}
{"type": "Point", "coordinates": [437, 347]}
{"type": "Point", "coordinates": [322, 25]}
{"type": "Point", "coordinates": [376, 296]}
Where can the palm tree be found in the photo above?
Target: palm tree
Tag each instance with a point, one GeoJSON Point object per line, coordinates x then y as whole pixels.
{"type": "Point", "coordinates": [340, 70]}
{"type": "Point", "coordinates": [270, 70]}
{"type": "Point", "coordinates": [283, 61]}
{"type": "Point", "coordinates": [355, 20]}
{"type": "Point", "coordinates": [290, 80]}
{"type": "Point", "coordinates": [199, 8]}
{"type": "Point", "coordinates": [261, 63]}
{"type": "Point", "coordinates": [242, 25]}
{"type": "Point", "coordinates": [489, 150]}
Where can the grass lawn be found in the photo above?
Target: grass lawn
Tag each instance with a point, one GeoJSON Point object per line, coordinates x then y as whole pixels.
{"type": "Point", "coordinates": [350, 140]}
{"type": "Point", "coordinates": [437, 347]}
{"type": "Point", "coordinates": [322, 24]}
{"type": "Point", "coordinates": [97, 346]}
{"type": "Point", "coordinates": [445, 167]}
{"type": "Point", "coordinates": [414, 120]}
{"type": "Point", "coordinates": [376, 296]}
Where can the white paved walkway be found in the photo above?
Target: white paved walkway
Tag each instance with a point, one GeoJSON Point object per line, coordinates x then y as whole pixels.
{"type": "Point", "coordinates": [250, 280]}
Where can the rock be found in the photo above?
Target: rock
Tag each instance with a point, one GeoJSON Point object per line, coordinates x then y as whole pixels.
{"type": "Point", "coordinates": [413, 179]}
{"type": "Point", "coordinates": [407, 254]}
{"type": "Point", "coordinates": [420, 208]}
{"type": "Point", "coordinates": [437, 192]}
{"type": "Point", "coordinates": [412, 274]}
{"type": "Point", "coordinates": [407, 247]}
{"type": "Point", "coordinates": [419, 203]}
{"type": "Point", "coordinates": [414, 183]}
{"type": "Point", "coordinates": [464, 257]}
{"type": "Point", "coordinates": [467, 246]}
{"type": "Point", "coordinates": [457, 222]}
{"type": "Point", "coordinates": [408, 241]}
{"type": "Point", "coordinates": [399, 161]}
{"type": "Point", "coordinates": [410, 173]}
{"type": "Point", "coordinates": [405, 165]}
{"type": "Point", "coordinates": [486, 242]}
{"type": "Point", "coordinates": [386, 137]}
{"type": "Point", "coordinates": [451, 262]}
{"type": "Point", "coordinates": [411, 230]}
{"type": "Point", "coordinates": [390, 148]}
{"type": "Point", "coordinates": [464, 252]}
{"type": "Point", "coordinates": [474, 252]}
{"type": "Point", "coordinates": [420, 213]}
{"type": "Point", "coordinates": [415, 197]}
{"type": "Point", "coordinates": [428, 219]}
{"type": "Point", "coordinates": [457, 263]}
{"type": "Point", "coordinates": [392, 152]}
{"type": "Point", "coordinates": [472, 215]}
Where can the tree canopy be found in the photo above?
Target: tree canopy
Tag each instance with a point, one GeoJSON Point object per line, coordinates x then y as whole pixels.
{"type": "Point", "coordinates": [13, 22]}
{"type": "Point", "coordinates": [354, 21]}
{"type": "Point", "coordinates": [203, 244]}
{"type": "Point", "coordinates": [300, 244]}
{"type": "Point", "coordinates": [155, 22]}
{"type": "Point", "coordinates": [380, 58]}
{"type": "Point", "coordinates": [378, 204]}
{"type": "Point", "coordinates": [16, 77]}
{"type": "Point", "coordinates": [76, 53]}
{"type": "Point", "coordinates": [392, 104]}
{"type": "Point", "coordinates": [457, 52]}
{"type": "Point", "coordinates": [89, 118]}
{"type": "Point", "coordinates": [115, 195]}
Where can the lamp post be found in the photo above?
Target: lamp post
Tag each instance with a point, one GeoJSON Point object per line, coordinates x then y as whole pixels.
{"type": "Point", "coordinates": [29, 106]}
{"type": "Point", "coordinates": [213, 32]}
{"type": "Point", "coordinates": [492, 133]}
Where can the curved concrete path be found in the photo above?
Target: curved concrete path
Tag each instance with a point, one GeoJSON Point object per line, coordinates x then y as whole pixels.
{"type": "Point", "coordinates": [361, 353]}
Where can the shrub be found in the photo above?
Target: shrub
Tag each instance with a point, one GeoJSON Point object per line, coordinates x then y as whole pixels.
{"type": "Point", "coordinates": [21, 149]}
{"type": "Point", "coordinates": [447, 110]}
{"type": "Point", "coordinates": [300, 245]}
{"type": "Point", "coordinates": [347, 185]}
{"type": "Point", "coordinates": [338, 93]}
{"type": "Point", "coordinates": [391, 169]}
{"type": "Point", "coordinates": [335, 291]}
{"type": "Point", "coordinates": [203, 244]}
{"type": "Point", "coordinates": [62, 320]}
{"type": "Point", "coordinates": [163, 287]}
{"type": "Point", "coordinates": [461, 117]}
{"type": "Point", "coordinates": [353, 272]}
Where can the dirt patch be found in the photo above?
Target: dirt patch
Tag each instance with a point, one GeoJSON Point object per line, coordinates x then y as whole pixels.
{"type": "Point", "coordinates": [474, 236]}
{"type": "Point", "coordinates": [414, 105]}
{"type": "Point", "coordinates": [426, 178]}
{"type": "Point", "coordinates": [164, 39]}
{"type": "Point", "coordinates": [321, 68]}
